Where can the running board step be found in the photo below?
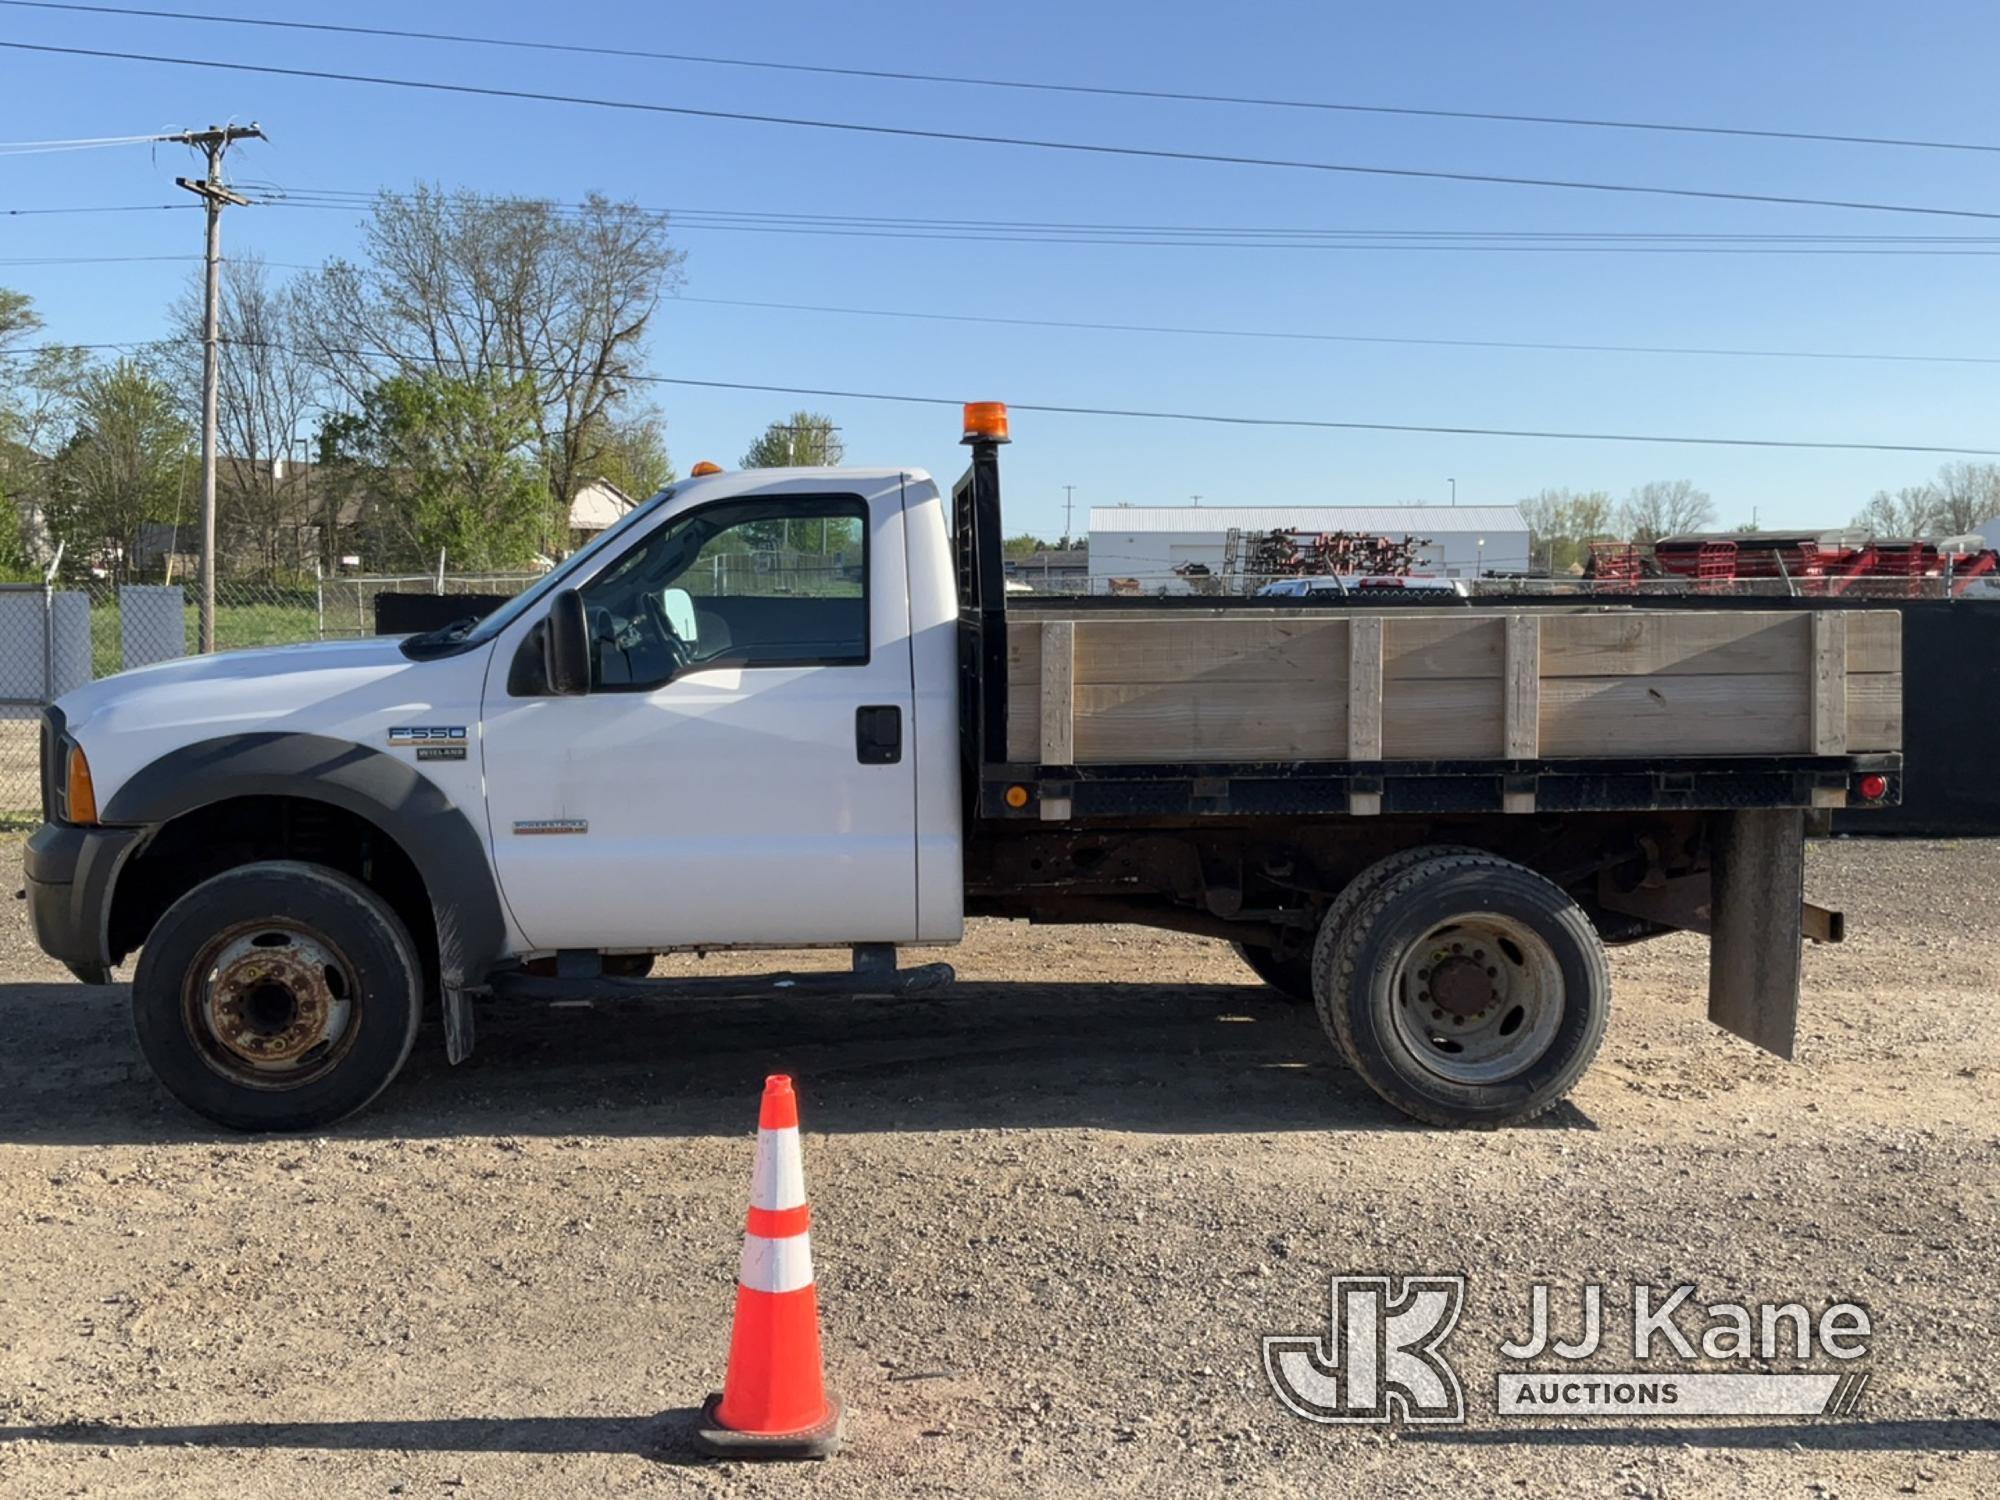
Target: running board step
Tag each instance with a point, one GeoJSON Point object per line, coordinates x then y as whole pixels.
{"type": "Point", "coordinates": [866, 980]}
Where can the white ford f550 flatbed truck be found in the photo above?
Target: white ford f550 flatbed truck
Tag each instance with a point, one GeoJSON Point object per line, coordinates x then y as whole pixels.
{"type": "Point", "coordinates": [792, 708]}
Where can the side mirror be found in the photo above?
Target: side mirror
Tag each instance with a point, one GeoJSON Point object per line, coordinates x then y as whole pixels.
{"type": "Point", "coordinates": [566, 645]}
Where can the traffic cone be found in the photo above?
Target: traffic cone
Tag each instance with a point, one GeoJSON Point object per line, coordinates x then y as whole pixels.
{"type": "Point", "coordinates": [774, 1402]}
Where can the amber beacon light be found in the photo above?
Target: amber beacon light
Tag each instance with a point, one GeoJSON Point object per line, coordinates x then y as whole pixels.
{"type": "Point", "coordinates": [985, 422]}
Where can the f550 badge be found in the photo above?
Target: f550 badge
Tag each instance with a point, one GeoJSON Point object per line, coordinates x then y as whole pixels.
{"type": "Point", "coordinates": [409, 736]}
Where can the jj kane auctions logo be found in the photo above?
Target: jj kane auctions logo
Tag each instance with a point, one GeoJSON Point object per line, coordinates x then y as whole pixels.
{"type": "Point", "coordinates": [1383, 1357]}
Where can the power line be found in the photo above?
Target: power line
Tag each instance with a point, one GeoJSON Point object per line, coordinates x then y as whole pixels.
{"type": "Point", "coordinates": [1053, 409]}
{"type": "Point", "coordinates": [83, 143]}
{"type": "Point", "coordinates": [1341, 338]}
{"type": "Point", "coordinates": [1186, 236]}
{"type": "Point", "coordinates": [911, 132]}
{"type": "Point", "coordinates": [1178, 96]}
{"type": "Point", "coordinates": [1315, 424]}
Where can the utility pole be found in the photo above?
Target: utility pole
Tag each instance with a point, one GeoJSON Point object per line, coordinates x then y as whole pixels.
{"type": "Point", "coordinates": [215, 141]}
{"type": "Point", "coordinates": [1069, 500]}
{"type": "Point", "coordinates": [1454, 490]}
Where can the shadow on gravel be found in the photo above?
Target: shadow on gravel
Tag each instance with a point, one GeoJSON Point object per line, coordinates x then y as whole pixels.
{"type": "Point", "coordinates": [1828, 1437]}
{"type": "Point", "coordinates": [665, 1436]}
{"type": "Point", "coordinates": [1180, 1058]}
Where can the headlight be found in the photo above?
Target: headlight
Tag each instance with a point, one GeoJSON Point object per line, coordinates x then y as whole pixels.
{"type": "Point", "coordinates": [79, 795]}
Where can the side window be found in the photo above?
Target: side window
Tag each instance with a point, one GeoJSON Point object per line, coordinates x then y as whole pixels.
{"type": "Point", "coordinates": [744, 583]}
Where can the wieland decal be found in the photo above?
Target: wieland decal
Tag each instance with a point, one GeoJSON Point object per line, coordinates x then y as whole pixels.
{"type": "Point", "coordinates": [1383, 1357]}
{"type": "Point", "coordinates": [540, 826]}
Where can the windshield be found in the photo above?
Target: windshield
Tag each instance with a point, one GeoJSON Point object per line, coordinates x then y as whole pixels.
{"type": "Point", "coordinates": [558, 577]}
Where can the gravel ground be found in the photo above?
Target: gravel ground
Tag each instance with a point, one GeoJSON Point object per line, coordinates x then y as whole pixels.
{"type": "Point", "coordinates": [1053, 1211]}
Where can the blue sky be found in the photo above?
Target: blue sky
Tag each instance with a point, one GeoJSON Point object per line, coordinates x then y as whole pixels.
{"type": "Point", "coordinates": [1844, 67]}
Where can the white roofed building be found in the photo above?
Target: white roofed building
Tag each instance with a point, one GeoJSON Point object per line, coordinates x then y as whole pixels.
{"type": "Point", "coordinates": [1143, 545]}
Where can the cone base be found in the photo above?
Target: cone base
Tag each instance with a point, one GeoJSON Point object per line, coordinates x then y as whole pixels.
{"type": "Point", "coordinates": [819, 1441]}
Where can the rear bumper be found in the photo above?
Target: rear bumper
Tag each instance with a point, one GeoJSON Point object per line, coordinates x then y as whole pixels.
{"type": "Point", "coordinates": [70, 875]}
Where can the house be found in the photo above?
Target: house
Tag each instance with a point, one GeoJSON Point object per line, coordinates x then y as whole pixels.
{"type": "Point", "coordinates": [598, 505]}
{"type": "Point", "coordinates": [1161, 547]}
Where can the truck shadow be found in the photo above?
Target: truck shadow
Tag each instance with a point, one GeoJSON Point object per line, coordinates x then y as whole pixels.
{"type": "Point", "coordinates": [1146, 1057]}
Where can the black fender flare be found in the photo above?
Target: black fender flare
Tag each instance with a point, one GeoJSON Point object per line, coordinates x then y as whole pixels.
{"type": "Point", "coordinates": [442, 839]}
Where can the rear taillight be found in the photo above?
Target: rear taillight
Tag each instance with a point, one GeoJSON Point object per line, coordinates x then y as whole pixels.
{"type": "Point", "coordinates": [1873, 787]}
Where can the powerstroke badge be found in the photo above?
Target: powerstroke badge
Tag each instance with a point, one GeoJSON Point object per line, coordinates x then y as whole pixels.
{"type": "Point", "coordinates": [408, 736]}
{"type": "Point", "coordinates": [551, 825]}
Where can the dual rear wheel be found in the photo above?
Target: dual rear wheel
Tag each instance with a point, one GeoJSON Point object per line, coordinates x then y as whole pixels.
{"type": "Point", "coordinates": [1462, 988]}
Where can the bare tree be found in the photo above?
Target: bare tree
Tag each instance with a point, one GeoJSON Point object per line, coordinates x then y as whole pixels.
{"type": "Point", "coordinates": [1968, 497]}
{"type": "Point", "coordinates": [1908, 512]}
{"type": "Point", "coordinates": [1665, 507]}
{"type": "Point", "coordinates": [269, 387]}
{"type": "Point", "coordinates": [471, 287]}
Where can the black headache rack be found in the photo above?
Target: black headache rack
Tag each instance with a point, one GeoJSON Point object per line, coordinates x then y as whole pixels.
{"type": "Point", "coordinates": [1006, 790]}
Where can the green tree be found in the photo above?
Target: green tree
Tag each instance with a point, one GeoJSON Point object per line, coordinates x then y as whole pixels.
{"type": "Point", "coordinates": [1027, 544]}
{"type": "Point", "coordinates": [804, 440]}
{"type": "Point", "coordinates": [468, 287]}
{"type": "Point", "coordinates": [125, 464]}
{"type": "Point", "coordinates": [633, 455]}
{"type": "Point", "coordinates": [1563, 523]}
{"type": "Point", "coordinates": [442, 464]}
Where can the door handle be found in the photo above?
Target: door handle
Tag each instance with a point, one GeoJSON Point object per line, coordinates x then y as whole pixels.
{"type": "Point", "coordinates": [878, 734]}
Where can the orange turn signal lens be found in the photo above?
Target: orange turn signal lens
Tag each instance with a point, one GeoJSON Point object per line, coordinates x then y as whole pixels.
{"type": "Point", "coordinates": [79, 796]}
{"type": "Point", "coordinates": [1017, 796]}
{"type": "Point", "coordinates": [985, 422]}
{"type": "Point", "coordinates": [704, 468]}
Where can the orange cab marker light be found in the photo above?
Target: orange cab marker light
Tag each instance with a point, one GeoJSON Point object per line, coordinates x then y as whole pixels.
{"type": "Point", "coordinates": [704, 468]}
{"type": "Point", "coordinates": [79, 795]}
{"type": "Point", "coordinates": [985, 422]}
{"type": "Point", "coordinates": [1017, 796]}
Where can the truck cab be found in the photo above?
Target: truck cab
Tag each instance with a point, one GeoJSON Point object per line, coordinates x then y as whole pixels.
{"type": "Point", "coordinates": [756, 744]}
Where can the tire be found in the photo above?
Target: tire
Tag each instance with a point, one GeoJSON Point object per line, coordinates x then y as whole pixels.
{"type": "Point", "coordinates": [1522, 990]}
{"type": "Point", "coordinates": [1289, 974]}
{"type": "Point", "coordinates": [1348, 900]}
{"type": "Point", "coordinates": [277, 996]}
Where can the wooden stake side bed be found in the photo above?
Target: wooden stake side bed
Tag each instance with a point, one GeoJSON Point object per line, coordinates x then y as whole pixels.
{"type": "Point", "coordinates": [1525, 695]}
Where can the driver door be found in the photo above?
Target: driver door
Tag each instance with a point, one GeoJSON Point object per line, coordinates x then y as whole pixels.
{"type": "Point", "coordinates": [713, 787]}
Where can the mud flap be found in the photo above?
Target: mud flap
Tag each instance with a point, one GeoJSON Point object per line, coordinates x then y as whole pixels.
{"type": "Point", "coordinates": [1757, 892]}
{"type": "Point", "coordinates": [457, 1024]}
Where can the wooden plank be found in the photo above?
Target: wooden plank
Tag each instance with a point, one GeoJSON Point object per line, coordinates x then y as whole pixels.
{"type": "Point", "coordinates": [1675, 714]}
{"type": "Point", "coordinates": [1159, 722]}
{"type": "Point", "coordinates": [1024, 651]}
{"type": "Point", "coordinates": [1874, 711]}
{"type": "Point", "coordinates": [1522, 709]}
{"type": "Point", "coordinates": [1874, 640]}
{"type": "Point", "coordinates": [1447, 719]}
{"type": "Point", "coordinates": [1024, 720]}
{"type": "Point", "coordinates": [1431, 646]}
{"type": "Point", "coordinates": [1364, 688]}
{"type": "Point", "coordinates": [1298, 652]}
{"type": "Point", "coordinates": [1827, 682]}
{"type": "Point", "coordinates": [1058, 717]}
{"type": "Point", "coordinates": [1638, 643]}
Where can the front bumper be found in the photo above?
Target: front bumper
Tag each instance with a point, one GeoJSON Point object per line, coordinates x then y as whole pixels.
{"type": "Point", "coordinates": [71, 872]}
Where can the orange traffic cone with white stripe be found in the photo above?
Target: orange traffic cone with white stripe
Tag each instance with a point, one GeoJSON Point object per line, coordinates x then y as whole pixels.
{"type": "Point", "coordinates": [774, 1402]}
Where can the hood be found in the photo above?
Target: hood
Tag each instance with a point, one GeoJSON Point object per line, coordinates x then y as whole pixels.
{"type": "Point", "coordinates": [349, 690]}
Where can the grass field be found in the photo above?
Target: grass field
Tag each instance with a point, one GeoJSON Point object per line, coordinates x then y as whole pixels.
{"type": "Point", "coordinates": [283, 620]}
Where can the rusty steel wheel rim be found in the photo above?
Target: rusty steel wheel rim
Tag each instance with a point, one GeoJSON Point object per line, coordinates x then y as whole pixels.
{"type": "Point", "coordinates": [1478, 999]}
{"type": "Point", "coordinates": [271, 1004]}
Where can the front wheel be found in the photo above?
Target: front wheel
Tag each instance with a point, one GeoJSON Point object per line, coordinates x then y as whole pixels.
{"type": "Point", "coordinates": [277, 996]}
{"type": "Point", "coordinates": [1467, 990]}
